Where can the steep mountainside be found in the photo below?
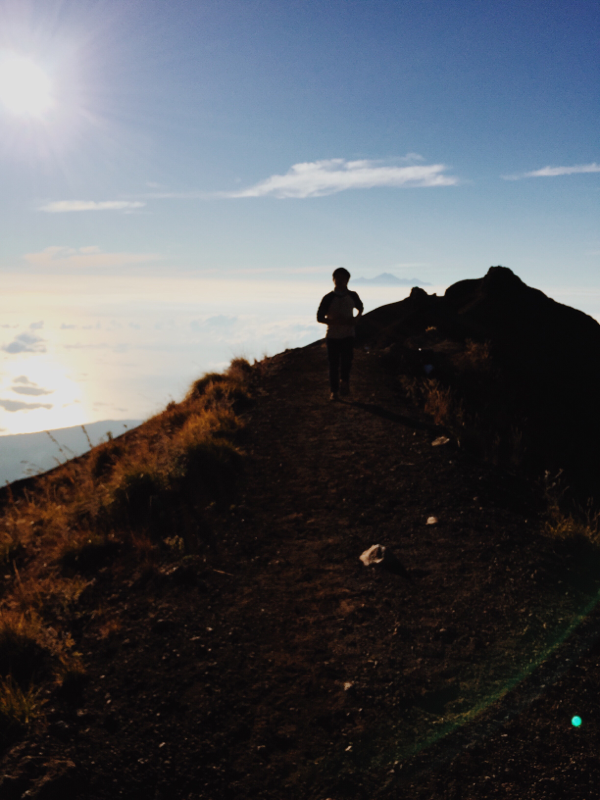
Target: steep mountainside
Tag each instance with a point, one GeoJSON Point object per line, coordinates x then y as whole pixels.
{"type": "Point", "coordinates": [269, 662]}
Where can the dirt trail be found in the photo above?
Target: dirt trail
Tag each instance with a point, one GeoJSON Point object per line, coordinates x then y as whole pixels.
{"type": "Point", "coordinates": [290, 669]}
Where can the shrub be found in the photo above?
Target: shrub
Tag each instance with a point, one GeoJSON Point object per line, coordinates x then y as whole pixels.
{"type": "Point", "coordinates": [136, 495]}
{"type": "Point", "coordinates": [241, 370]}
{"type": "Point", "coordinates": [208, 469]}
{"type": "Point", "coordinates": [199, 387]}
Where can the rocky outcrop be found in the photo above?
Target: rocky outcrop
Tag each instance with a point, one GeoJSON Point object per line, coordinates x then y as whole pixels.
{"type": "Point", "coordinates": [546, 356]}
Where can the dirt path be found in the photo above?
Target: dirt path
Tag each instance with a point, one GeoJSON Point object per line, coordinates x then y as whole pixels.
{"type": "Point", "coordinates": [289, 669]}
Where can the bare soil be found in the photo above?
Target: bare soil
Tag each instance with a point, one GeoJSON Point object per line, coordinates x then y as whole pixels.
{"type": "Point", "coordinates": [274, 664]}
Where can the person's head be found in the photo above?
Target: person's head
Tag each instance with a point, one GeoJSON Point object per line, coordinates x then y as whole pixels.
{"type": "Point", "coordinates": [341, 277]}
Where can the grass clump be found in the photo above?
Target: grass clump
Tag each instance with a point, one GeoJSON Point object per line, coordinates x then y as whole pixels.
{"type": "Point", "coordinates": [204, 384]}
{"type": "Point", "coordinates": [135, 494]}
{"type": "Point", "coordinates": [563, 526]}
{"type": "Point", "coordinates": [19, 707]}
{"type": "Point", "coordinates": [568, 523]}
{"type": "Point", "coordinates": [440, 404]}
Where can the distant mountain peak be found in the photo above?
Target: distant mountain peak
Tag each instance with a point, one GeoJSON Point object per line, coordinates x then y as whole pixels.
{"type": "Point", "coordinates": [387, 279]}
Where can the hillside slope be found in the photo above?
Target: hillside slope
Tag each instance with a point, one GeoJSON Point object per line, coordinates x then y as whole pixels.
{"type": "Point", "coordinates": [274, 664]}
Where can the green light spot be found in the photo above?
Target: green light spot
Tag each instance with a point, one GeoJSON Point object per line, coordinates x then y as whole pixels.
{"type": "Point", "coordinates": [576, 722]}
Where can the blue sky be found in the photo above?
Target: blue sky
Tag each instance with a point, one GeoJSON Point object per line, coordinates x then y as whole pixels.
{"type": "Point", "coordinates": [215, 160]}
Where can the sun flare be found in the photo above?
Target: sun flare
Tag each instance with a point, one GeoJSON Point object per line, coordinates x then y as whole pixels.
{"type": "Point", "coordinates": [25, 89]}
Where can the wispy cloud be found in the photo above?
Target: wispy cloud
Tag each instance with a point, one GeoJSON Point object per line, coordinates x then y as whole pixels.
{"type": "Point", "coordinates": [319, 178]}
{"type": "Point", "coordinates": [25, 343]}
{"type": "Point", "coordinates": [85, 257]}
{"type": "Point", "coordinates": [17, 405]}
{"type": "Point", "coordinates": [64, 206]}
{"type": "Point", "coordinates": [32, 390]}
{"type": "Point", "coordinates": [25, 386]}
{"type": "Point", "coordinates": [552, 172]}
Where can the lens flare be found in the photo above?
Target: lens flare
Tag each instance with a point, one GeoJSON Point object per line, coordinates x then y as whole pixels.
{"type": "Point", "coordinates": [576, 722]}
{"type": "Point", "coordinates": [25, 89]}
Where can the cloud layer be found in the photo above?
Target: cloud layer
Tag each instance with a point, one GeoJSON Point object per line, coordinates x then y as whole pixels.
{"type": "Point", "coordinates": [551, 172]}
{"type": "Point", "coordinates": [85, 257]}
{"type": "Point", "coordinates": [64, 206]}
{"type": "Point", "coordinates": [319, 178]}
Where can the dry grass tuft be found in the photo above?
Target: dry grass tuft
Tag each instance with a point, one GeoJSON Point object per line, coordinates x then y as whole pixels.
{"type": "Point", "coordinates": [18, 707]}
{"type": "Point", "coordinates": [572, 525]}
{"type": "Point", "coordinates": [439, 403]}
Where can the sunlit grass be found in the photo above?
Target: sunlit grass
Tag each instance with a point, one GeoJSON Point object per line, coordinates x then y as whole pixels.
{"type": "Point", "coordinates": [127, 500]}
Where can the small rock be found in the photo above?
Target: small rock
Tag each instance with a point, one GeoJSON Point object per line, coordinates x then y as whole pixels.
{"type": "Point", "coordinates": [440, 440]}
{"type": "Point", "coordinates": [432, 520]}
{"type": "Point", "coordinates": [381, 556]}
{"type": "Point", "coordinates": [374, 555]}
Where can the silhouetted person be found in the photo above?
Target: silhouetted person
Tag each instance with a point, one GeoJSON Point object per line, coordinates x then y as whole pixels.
{"type": "Point", "coordinates": [337, 312]}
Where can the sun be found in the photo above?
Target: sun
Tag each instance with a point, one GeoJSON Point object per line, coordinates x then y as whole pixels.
{"type": "Point", "coordinates": [25, 89]}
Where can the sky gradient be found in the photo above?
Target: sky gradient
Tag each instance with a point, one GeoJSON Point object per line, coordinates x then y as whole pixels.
{"type": "Point", "coordinates": [199, 168]}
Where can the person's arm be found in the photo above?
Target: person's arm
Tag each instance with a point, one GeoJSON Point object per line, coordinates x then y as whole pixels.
{"type": "Point", "coordinates": [358, 305]}
{"type": "Point", "coordinates": [323, 309]}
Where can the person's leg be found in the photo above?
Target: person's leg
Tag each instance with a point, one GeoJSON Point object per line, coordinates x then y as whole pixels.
{"type": "Point", "coordinates": [333, 355]}
{"type": "Point", "coordinates": [346, 355]}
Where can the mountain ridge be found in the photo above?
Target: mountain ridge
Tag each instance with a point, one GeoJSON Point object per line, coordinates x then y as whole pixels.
{"type": "Point", "coordinates": [251, 654]}
{"type": "Point", "coordinates": [387, 279]}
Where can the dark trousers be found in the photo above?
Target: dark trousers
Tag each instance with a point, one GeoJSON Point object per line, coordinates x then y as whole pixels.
{"type": "Point", "coordinates": [339, 353]}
